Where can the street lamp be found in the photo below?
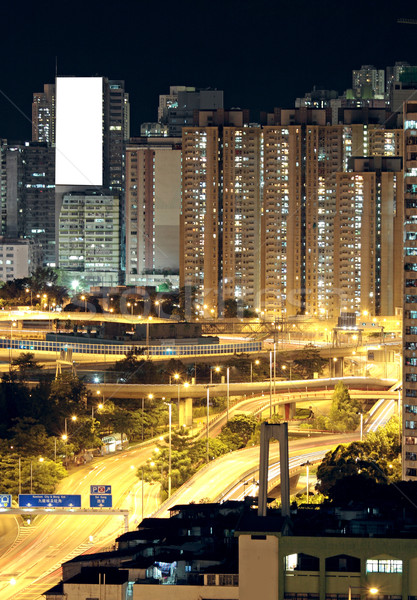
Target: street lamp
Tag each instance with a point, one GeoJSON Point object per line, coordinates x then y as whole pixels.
{"type": "Point", "coordinates": [257, 361]}
{"type": "Point", "coordinates": [217, 369]}
{"type": "Point", "coordinates": [27, 291]}
{"type": "Point", "coordinates": [85, 302]}
{"type": "Point", "coordinates": [150, 396]}
{"type": "Point", "coordinates": [12, 324]}
{"type": "Point", "coordinates": [130, 304]}
{"type": "Point", "coordinates": [372, 590]}
{"type": "Point", "coordinates": [65, 436]}
{"type": "Point", "coordinates": [307, 464]}
{"type": "Point", "coordinates": [169, 451]}
{"type": "Point", "coordinates": [147, 336]}
{"type": "Point", "coordinates": [227, 394]}
{"type": "Point", "coordinates": [208, 411]}
{"type": "Point", "coordinates": [158, 303]}
{"type": "Point", "coordinates": [270, 384]}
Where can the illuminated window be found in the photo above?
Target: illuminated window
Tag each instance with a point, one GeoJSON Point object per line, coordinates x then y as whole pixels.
{"type": "Point", "coordinates": [384, 566]}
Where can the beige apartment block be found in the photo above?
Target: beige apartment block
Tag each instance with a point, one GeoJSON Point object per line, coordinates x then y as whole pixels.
{"type": "Point", "coordinates": [152, 208]}
{"type": "Point", "coordinates": [281, 238]}
{"type": "Point", "coordinates": [241, 240]}
{"type": "Point", "coordinates": [409, 387]}
{"type": "Point", "coordinates": [199, 220]}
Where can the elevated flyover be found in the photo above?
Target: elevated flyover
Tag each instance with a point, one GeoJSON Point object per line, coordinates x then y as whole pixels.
{"type": "Point", "coordinates": [287, 393]}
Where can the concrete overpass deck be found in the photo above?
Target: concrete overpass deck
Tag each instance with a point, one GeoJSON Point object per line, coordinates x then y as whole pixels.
{"type": "Point", "coordinates": [126, 390]}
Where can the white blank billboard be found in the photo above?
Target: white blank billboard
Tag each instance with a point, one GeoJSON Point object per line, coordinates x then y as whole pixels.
{"type": "Point", "coordinates": [79, 131]}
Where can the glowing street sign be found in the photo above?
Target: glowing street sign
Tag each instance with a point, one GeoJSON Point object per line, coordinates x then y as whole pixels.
{"type": "Point", "coordinates": [5, 501]}
{"type": "Point", "coordinates": [49, 500]}
{"type": "Point", "coordinates": [100, 489]}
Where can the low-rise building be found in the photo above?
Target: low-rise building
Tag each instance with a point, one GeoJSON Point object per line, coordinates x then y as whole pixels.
{"type": "Point", "coordinates": [227, 552]}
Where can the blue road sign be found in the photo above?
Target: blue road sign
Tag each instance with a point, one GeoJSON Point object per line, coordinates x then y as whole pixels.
{"type": "Point", "coordinates": [50, 500]}
{"type": "Point", "coordinates": [5, 501]}
{"type": "Point", "coordinates": [100, 501]}
{"type": "Point", "coordinates": [100, 489]}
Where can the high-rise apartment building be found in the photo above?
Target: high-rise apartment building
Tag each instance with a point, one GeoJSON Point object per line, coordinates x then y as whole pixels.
{"type": "Point", "coordinates": [260, 221]}
{"type": "Point", "coordinates": [29, 193]}
{"type": "Point", "coordinates": [369, 82]}
{"type": "Point", "coordinates": [240, 214]}
{"type": "Point", "coordinates": [92, 126]}
{"type": "Point", "coordinates": [3, 186]}
{"type": "Point", "coordinates": [409, 387]}
{"type": "Point", "coordinates": [89, 237]}
{"type": "Point", "coordinates": [200, 218]}
{"type": "Point", "coordinates": [368, 245]}
{"type": "Point", "coordinates": [43, 115]}
{"type": "Point", "coordinates": [116, 132]}
{"type": "Point", "coordinates": [152, 209]}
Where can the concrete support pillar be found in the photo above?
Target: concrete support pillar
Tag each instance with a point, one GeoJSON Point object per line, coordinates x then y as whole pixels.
{"type": "Point", "coordinates": [186, 412]}
{"type": "Point", "coordinates": [322, 578]}
{"type": "Point", "coordinates": [289, 411]}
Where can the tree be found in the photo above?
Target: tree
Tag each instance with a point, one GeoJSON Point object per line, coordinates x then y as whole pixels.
{"type": "Point", "coordinates": [242, 426]}
{"type": "Point", "coordinates": [30, 438]}
{"type": "Point", "coordinates": [377, 458]}
{"type": "Point", "coordinates": [68, 397]}
{"type": "Point", "coordinates": [26, 365]}
{"type": "Point", "coordinates": [308, 362]}
{"type": "Point", "coordinates": [43, 476]}
{"type": "Point", "coordinates": [230, 308]}
{"type": "Point", "coordinates": [345, 411]}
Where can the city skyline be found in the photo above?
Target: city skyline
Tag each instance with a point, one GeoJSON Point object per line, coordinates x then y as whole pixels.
{"type": "Point", "coordinates": [235, 47]}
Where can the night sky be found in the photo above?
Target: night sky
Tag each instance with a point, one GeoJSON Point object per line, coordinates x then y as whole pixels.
{"type": "Point", "coordinates": [261, 53]}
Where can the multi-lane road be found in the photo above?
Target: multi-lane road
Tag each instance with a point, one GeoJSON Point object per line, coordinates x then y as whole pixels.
{"type": "Point", "coordinates": [31, 563]}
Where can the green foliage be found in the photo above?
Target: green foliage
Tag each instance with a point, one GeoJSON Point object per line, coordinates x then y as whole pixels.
{"type": "Point", "coordinates": [308, 362]}
{"type": "Point", "coordinates": [44, 475]}
{"type": "Point", "coordinates": [376, 458]}
{"type": "Point", "coordinates": [344, 412]}
{"type": "Point", "coordinates": [188, 454]}
{"type": "Point", "coordinates": [138, 370]}
{"type": "Point", "coordinates": [230, 308]}
{"type": "Point", "coordinates": [242, 426]}
{"type": "Point", "coordinates": [26, 365]}
{"type": "Point", "coordinates": [68, 396]}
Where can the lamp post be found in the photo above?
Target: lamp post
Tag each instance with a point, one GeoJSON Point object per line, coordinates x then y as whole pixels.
{"type": "Point", "coordinates": [186, 385]}
{"type": "Point", "coordinates": [177, 379]}
{"type": "Point", "coordinates": [158, 303]}
{"type": "Point", "coordinates": [12, 324]}
{"type": "Point", "coordinates": [307, 464]}
{"type": "Point", "coordinates": [208, 411]}
{"type": "Point", "coordinates": [169, 449]}
{"type": "Point", "coordinates": [99, 407]}
{"type": "Point", "coordinates": [270, 384]}
{"type": "Point", "coordinates": [257, 361]}
{"type": "Point", "coordinates": [28, 290]}
{"type": "Point", "coordinates": [85, 302]}
{"type": "Point", "coordinates": [217, 369]}
{"type": "Point", "coordinates": [150, 396]}
{"type": "Point", "coordinates": [65, 436]}
{"type": "Point", "coordinates": [372, 590]}
{"type": "Point", "coordinates": [275, 365]}
{"type": "Point", "coordinates": [147, 336]}
{"type": "Point", "coordinates": [227, 393]}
